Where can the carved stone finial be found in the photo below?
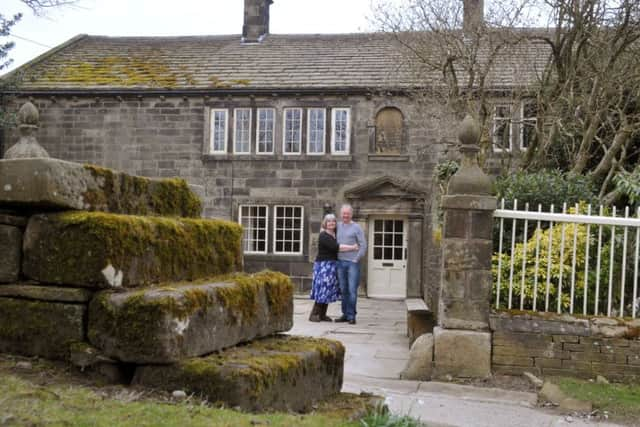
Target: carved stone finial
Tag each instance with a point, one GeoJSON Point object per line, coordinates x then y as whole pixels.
{"type": "Point", "coordinates": [27, 146]}
{"type": "Point", "coordinates": [469, 179]}
{"type": "Point", "coordinates": [469, 133]}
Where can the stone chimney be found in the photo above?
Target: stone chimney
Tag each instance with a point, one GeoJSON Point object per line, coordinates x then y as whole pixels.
{"type": "Point", "coordinates": [473, 15]}
{"type": "Point", "coordinates": [256, 20]}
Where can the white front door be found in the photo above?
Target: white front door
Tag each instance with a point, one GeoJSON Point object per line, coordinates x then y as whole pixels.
{"type": "Point", "coordinates": [387, 276]}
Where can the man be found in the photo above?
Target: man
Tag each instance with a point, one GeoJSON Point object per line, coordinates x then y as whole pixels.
{"type": "Point", "coordinates": [349, 233]}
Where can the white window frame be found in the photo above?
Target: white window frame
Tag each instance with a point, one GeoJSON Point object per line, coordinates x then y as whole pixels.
{"type": "Point", "coordinates": [324, 132]}
{"type": "Point", "coordinates": [497, 148]}
{"type": "Point", "coordinates": [266, 227]}
{"type": "Point", "coordinates": [284, 132]}
{"type": "Point", "coordinates": [530, 121]}
{"type": "Point", "coordinates": [235, 130]}
{"type": "Point", "coordinates": [212, 130]}
{"type": "Point", "coordinates": [275, 230]}
{"type": "Point", "coordinates": [273, 131]}
{"type": "Point", "coordinates": [333, 131]}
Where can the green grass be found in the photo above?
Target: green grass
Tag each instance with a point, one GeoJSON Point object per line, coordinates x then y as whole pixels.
{"type": "Point", "coordinates": [23, 402]}
{"type": "Point", "coordinates": [619, 400]}
{"type": "Point", "coordinates": [53, 394]}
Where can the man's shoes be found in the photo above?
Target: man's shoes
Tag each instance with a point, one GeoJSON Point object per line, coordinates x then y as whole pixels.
{"type": "Point", "coordinates": [352, 321]}
{"type": "Point", "coordinates": [341, 319]}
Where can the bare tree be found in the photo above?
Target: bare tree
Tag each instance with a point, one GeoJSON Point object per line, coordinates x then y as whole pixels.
{"type": "Point", "coordinates": [581, 69]}
{"type": "Point", "coordinates": [7, 22]}
{"type": "Point", "coordinates": [458, 60]}
{"type": "Point", "coordinates": [588, 95]}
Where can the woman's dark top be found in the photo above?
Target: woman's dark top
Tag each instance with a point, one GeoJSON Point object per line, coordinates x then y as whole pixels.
{"type": "Point", "coordinates": [327, 247]}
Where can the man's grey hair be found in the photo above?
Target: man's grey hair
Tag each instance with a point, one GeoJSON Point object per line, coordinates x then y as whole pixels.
{"type": "Point", "coordinates": [346, 206]}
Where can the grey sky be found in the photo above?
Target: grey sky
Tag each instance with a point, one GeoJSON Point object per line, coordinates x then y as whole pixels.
{"type": "Point", "coordinates": [182, 17]}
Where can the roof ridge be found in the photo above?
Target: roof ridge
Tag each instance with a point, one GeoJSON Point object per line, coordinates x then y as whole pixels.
{"type": "Point", "coordinates": [42, 57]}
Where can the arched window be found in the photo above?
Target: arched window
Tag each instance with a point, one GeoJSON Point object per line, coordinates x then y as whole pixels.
{"type": "Point", "coordinates": [389, 131]}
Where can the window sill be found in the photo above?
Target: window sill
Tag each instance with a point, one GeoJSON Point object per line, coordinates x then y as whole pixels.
{"type": "Point", "coordinates": [388, 157]}
{"type": "Point", "coordinates": [278, 157]}
{"type": "Point", "coordinates": [276, 257]}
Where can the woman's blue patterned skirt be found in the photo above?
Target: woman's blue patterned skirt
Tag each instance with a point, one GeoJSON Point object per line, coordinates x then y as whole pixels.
{"type": "Point", "coordinates": [325, 289]}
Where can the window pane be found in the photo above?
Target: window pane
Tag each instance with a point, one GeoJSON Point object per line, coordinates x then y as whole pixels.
{"type": "Point", "coordinates": [397, 253]}
{"type": "Point", "coordinates": [288, 229]}
{"type": "Point", "coordinates": [529, 120]}
{"type": "Point", "coordinates": [398, 239]}
{"type": "Point", "coordinates": [242, 128]}
{"type": "Point", "coordinates": [388, 253]}
{"type": "Point", "coordinates": [502, 128]}
{"type": "Point", "coordinates": [316, 132]}
{"type": "Point", "coordinates": [253, 220]}
{"type": "Point", "coordinates": [265, 130]}
{"type": "Point", "coordinates": [388, 239]}
{"type": "Point", "coordinates": [340, 135]}
{"type": "Point", "coordinates": [292, 126]}
{"type": "Point", "coordinates": [377, 239]}
{"type": "Point", "coordinates": [218, 130]}
{"type": "Point", "coordinates": [377, 253]}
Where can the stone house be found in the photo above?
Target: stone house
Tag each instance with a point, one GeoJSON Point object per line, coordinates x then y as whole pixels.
{"type": "Point", "coordinates": [277, 129]}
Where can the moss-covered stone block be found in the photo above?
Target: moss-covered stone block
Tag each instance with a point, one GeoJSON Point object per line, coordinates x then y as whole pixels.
{"type": "Point", "coordinates": [165, 324]}
{"type": "Point", "coordinates": [103, 250]}
{"type": "Point", "coordinates": [51, 184]}
{"type": "Point", "coordinates": [46, 293]}
{"type": "Point", "coordinates": [10, 253]}
{"type": "Point", "coordinates": [277, 373]}
{"type": "Point", "coordinates": [39, 328]}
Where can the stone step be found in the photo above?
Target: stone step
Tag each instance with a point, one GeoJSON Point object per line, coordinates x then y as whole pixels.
{"type": "Point", "coordinates": [166, 324]}
{"type": "Point", "coordinates": [37, 184]}
{"type": "Point", "coordinates": [39, 328]}
{"type": "Point", "coordinates": [103, 250]}
{"type": "Point", "coordinates": [46, 293]}
{"type": "Point", "coordinates": [283, 373]}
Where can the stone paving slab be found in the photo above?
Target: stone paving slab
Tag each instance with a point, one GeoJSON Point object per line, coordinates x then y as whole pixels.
{"type": "Point", "coordinates": [284, 373]}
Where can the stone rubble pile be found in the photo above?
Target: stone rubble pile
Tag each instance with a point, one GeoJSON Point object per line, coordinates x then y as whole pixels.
{"type": "Point", "coordinates": [117, 274]}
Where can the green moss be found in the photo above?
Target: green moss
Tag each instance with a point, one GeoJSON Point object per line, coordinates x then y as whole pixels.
{"type": "Point", "coordinates": [135, 195]}
{"type": "Point", "coordinates": [116, 71]}
{"type": "Point", "coordinates": [262, 362]}
{"type": "Point", "coordinates": [39, 328]}
{"type": "Point", "coordinates": [241, 300]}
{"type": "Point", "coordinates": [152, 249]}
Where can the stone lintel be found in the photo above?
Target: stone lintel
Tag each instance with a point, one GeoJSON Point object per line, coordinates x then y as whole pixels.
{"type": "Point", "coordinates": [461, 353]}
{"type": "Point", "coordinates": [470, 202]}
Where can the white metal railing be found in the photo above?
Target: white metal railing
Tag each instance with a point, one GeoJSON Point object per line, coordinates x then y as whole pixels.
{"type": "Point", "coordinates": [568, 262]}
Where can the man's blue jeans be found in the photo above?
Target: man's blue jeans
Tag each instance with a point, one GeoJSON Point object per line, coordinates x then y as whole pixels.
{"type": "Point", "coordinates": [348, 280]}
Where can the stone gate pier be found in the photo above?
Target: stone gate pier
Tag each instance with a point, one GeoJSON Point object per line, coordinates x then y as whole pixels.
{"type": "Point", "coordinates": [462, 339]}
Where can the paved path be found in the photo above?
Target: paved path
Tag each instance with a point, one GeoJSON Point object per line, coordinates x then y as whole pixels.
{"type": "Point", "coordinates": [376, 351]}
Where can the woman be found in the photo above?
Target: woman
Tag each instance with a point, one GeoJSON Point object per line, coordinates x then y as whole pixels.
{"type": "Point", "coordinates": [324, 288]}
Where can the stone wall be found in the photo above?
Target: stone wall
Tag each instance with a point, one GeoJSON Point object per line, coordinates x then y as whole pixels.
{"type": "Point", "coordinates": [156, 136]}
{"type": "Point", "coordinates": [550, 344]}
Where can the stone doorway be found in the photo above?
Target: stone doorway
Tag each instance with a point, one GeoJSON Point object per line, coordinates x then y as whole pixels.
{"type": "Point", "coordinates": [392, 198]}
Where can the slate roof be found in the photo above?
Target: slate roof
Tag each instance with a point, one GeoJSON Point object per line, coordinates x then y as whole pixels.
{"type": "Point", "coordinates": [280, 62]}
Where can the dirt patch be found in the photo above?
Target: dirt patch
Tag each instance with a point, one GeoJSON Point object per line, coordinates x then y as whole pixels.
{"type": "Point", "coordinates": [508, 382]}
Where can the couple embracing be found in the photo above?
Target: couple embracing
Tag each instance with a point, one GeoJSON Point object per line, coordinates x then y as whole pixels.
{"type": "Point", "coordinates": [336, 271]}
